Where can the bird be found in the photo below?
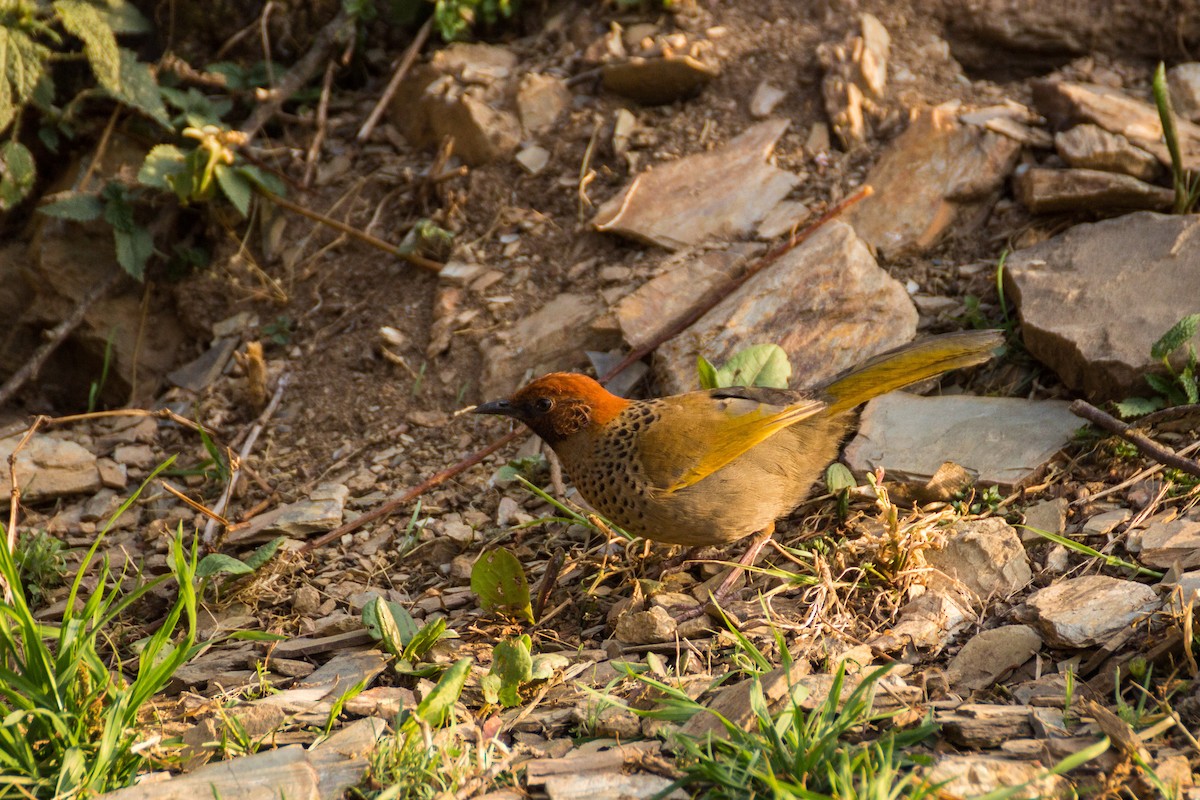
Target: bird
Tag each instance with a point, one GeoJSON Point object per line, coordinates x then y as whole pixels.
{"type": "Point", "coordinates": [714, 466]}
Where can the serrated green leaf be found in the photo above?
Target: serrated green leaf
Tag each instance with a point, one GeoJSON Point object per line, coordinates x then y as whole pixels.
{"type": "Point", "coordinates": [162, 161]}
{"type": "Point", "coordinates": [84, 21]}
{"type": "Point", "coordinates": [706, 372]}
{"type": "Point", "coordinates": [759, 365]}
{"type": "Point", "coordinates": [1187, 380]}
{"type": "Point", "coordinates": [18, 174]}
{"type": "Point", "coordinates": [498, 579]}
{"type": "Point", "coordinates": [221, 564]}
{"type": "Point", "coordinates": [424, 640]}
{"type": "Point", "coordinates": [436, 707]}
{"type": "Point", "coordinates": [22, 64]}
{"type": "Point", "coordinates": [134, 248]}
{"type": "Point", "coordinates": [1160, 384]}
{"type": "Point", "coordinates": [77, 206]}
{"type": "Point", "coordinates": [198, 109]}
{"type": "Point", "coordinates": [264, 553]}
{"type": "Point", "coordinates": [512, 666]}
{"type": "Point", "coordinates": [838, 477]}
{"type": "Point", "coordinates": [235, 187]}
{"type": "Point", "coordinates": [1138, 406]}
{"type": "Point", "coordinates": [1175, 338]}
{"type": "Point", "coordinates": [404, 621]}
{"type": "Point", "coordinates": [138, 88]}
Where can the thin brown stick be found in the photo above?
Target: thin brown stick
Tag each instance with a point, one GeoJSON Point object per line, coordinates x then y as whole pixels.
{"type": "Point", "coordinates": [54, 338]}
{"type": "Point", "coordinates": [160, 413]}
{"type": "Point", "coordinates": [355, 233]}
{"type": "Point", "coordinates": [406, 62]}
{"type": "Point", "coordinates": [203, 509]}
{"type": "Point", "coordinates": [209, 536]}
{"type": "Point", "coordinates": [705, 305]}
{"type": "Point", "coordinates": [101, 148]}
{"type": "Point", "coordinates": [314, 149]}
{"type": "Point", "coordinates": [14, 505]}
{"type": "Point", "coordinates": [1162, 455]}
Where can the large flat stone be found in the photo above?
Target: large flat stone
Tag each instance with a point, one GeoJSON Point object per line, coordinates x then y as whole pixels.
{"type": "Point", "coordinates": [826, 303]}
{"type": "Point", "coordinates": [1001, 440]}
{"type": "Point", "coordinates": [48, 467]}
{"type": "Point", "coordinates": [1044, 191]}
{"type": "Point", "coordinates": [1165, 544]}
{"type": "Point", "coordinates": [937, 176]}
{"type": "Point", "coordinates": [1094, 299]}
{"type": "Point", "coordinates": [962, 776]}
{"type": "Point", "coordinates": [986, 556]}
{"type": "Point", "coordinates": [720, 194]}
{"type": "Point", "coordinates": [1087, 611]}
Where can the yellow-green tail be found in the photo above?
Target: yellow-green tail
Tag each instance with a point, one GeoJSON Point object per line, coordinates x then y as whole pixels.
{"type": "Point", "coordinates": [908, 364]}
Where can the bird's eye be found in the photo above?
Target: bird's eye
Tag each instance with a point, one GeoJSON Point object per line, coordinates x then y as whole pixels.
{"type": "Point", "coordinates": [543, 405]}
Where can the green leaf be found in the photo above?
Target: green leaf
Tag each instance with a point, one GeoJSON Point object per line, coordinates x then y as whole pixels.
{"type": "Point", "coordinates": [1161, 384]}
{"type": "Point", "coordinates": [512, 666]}
{"type": "Point", "coordinates": [123, 17]}
{"type": "Point", "coordinates": [437, 705]}
{"type": "Point", "coordinates": [264, 553]}
{"type": "Point", "coordinates": [263, 179]}
{"type": "Point", "coordinates": [138, 88]}
{"type": "Point", "coordinates": [83, 20]}
{"type": "Point", "coordinates": [162, 161]}
{"type": "Point", "coordinates": [424, 640]}
{"type": "Point", "coordinates": [221, 564]}
{"type": "Point", "coordinates": [385, 623]}
{"type": "Point", "coordinates": [706, 372]}
{"type": "Point", "coordinates": [198, 109]}
{"type": "Point", "coordinates": [838, 477]}
{"type": "Point", "coordinates": [1187, 379]}
{"type": "Point", "coordinates": [1175, 338]}
{"type": "Point", "coordinates": [544, 665]}
{"type": "Point", "coordinates": [22, 64]}
{"type": "Point", "coordinates": [258, 636]}
{"type": "Point", "coordinates": [1138, 406]}
{"type": "Point", "coordinates": [77, 206]}
{"type": "Point", "coordinates": [134, 249]}
{"type": "Point", "coordinates": [236, 187]}
{"type": "Point", "coordinates": [759, 365]}
{"type": "Point", "coordinates": [404, 622]}
{"type": "Point", "coordinates": [17, 174]}
{"type": "Point", "coordinates": [498, 579]}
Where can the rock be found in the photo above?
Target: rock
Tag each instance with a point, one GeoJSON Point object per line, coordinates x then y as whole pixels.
{"type": "Point", "coordinates": [733, 701]}
{"type": "Point", "coordinates": [1045, 191]}
{"type": "Point", "coordinates": [322, 511]}
{"type": "Point", "coordinates": [481, 133]}
{"type": "Point", "coordinates": [1048, 515]}
{"type": "Point", "coordinates": [1058, 558]}
{"type": "Point", "coordinates": [1105, 522]}
{"type": "Point", "coordinates": [658, 80]}
{"type": "Point", "coordinates": [855, 79]}
{"type": "Point", "coordinates": [937, 176]}
{"type": "Point", "coordinates": [986, 556]}
{"type": "Point", "coordinates": [1063, 285]}
{"type": "Point", "coordinates": [112, 474]}
{"type": "Point", "coordinates": [475, 63]}
{"type": "Point", "coordinates": [201, 371]}
{"type": "Point", "coordinates": [646, 627]}
{"type": "Point", "coordinates": [1091, 147]}
{"type": "Point", "coordinates": [764, 99]}
{"type": "Point", "coordinates": [139, 456]}
{"type": "Point", "coordinates": [1183, 80]}
{"type": "Point", "coordinates": [1065, 103]}
{"type": "Point", "coordinates": [1189, 589]}
{"type": "Point", "coordinates": [926, 623]}
{"type": "Point", "coordinates": [1087, 611]}
{"type": "Point", "coordinates": [460, 273]}
{"type": "Point", "coordinates": [962, 776]}
{"type": "Point", "coordinates": [306, 600]}
{"type": "Point", "coordinates": [717, 194]}
{"type": "Point", "coordinates": [534, 159]}
{"type": "Point", "coordinates": [989, 655]}
{"type": "Point", "coordinates": [826, 303]}
{"type": "Point", "coordinates": [785, 217]}
{"type": "Point", "coordinates": [203, 740]}
{"type": "Point", "coordinates": [1165, 544]}
{"type": "Point", "coordinates": [616, 722]}
{"type": "Point", "coordinates": [1001, 440]}
{"type": "Point", "coordinates": [553, 337]}
{"type": "Point", "coordinates": [1020, 133]}
{"type": "Point", "coordinates": [540, 101]}
{"type": "Point", "coordinates": [381, 701]}
{"type": "Point", "coordinates": [984, 725]}
{"type": "Point", "coordinates": [49, 468]}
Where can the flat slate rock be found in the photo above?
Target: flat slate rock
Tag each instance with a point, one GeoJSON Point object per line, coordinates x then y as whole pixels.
{"type": "Point", "coordinates": [1001, 440]}
{"type": "Point", "coordinates": [990, 654]}
{"type": "Point", "coordinates": [826, 303]}
{"type": "Point", "coordinates": [1087, 611]}
{"type": "Point", "coordinates": [48, 467]}
{"type": "Point", "coordinates": [1094, 299]}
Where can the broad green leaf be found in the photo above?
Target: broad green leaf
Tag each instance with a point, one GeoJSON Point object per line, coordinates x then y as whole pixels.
{"type": "Point", "coordinates": [134, 249]}
{"type": "Point", "coordinates": [498, 579]}
{"type": "Point", "coordinates": [1161, 384]}
{"type": "Point", "coordinates": [263, 179]}
{"type": "Point", "coordinates": [706, 372]}
{"type": "Point", "coordinates": [162, 160]}
{"type": "Point", "coordinates": [219, 563]}
{"type": "Point", "coordinates": [759, 365]}
{"type": "Point", "coordinates": [437, 705]}
{"type": "Point", "coordinates": [139, 89]}
{"type": "Point", "coordinates": [512, 666]}
{"type": "Point", "coordinates": [236, 188]}
{"type": "Point", "coordinates": [424, 640]}
{"type": "Point", "coordinates": [389, 631]}
{"type": "Point", "coordinates": [838, 477]}
{"type": "Point", "coordinates": [198, 109]}
{"type": "Point", "coordinates": [264, 553]}
{"type": "Point", "coordinates": [1175, 338]}
{"type": "Point", "coordinates": [77, 206]}
{"type": "Point", "coordinates": [22, 64]}
{"type": "Point", "coordinates": [17, 174]}
{"type": "Point", "coordinates": [1138, 406]}
{"type": "Point", "coordinates": [83, 20]}
{"type": "Point", "coordinates": [403, 620]}
{"type": "Point", "coordinates": [544, 665]}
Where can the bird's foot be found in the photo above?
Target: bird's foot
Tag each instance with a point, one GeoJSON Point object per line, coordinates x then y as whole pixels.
{"type": "Point", "coordinates": [727, 586]}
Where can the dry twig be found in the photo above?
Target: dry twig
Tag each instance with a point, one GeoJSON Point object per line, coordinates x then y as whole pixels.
{"type": "Point", "coordinates": [406, 62]}
{"type": "Point", "coordinates": [1085, 410]}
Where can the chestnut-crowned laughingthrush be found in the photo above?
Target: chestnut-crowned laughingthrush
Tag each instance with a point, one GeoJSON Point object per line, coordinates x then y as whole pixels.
{"type": "Point", "coordinates": [715, 465]}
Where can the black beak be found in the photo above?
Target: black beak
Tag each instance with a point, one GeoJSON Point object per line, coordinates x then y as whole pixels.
{"type": "Point", "coordinates": [501, 408]}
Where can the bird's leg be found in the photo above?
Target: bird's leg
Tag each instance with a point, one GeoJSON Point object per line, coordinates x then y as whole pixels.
{"type": "Point", "coordinates": [757, 542]}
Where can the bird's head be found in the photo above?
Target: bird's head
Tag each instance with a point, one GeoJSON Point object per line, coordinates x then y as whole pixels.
{"type": "Point", "coordinates": [558, 405]}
